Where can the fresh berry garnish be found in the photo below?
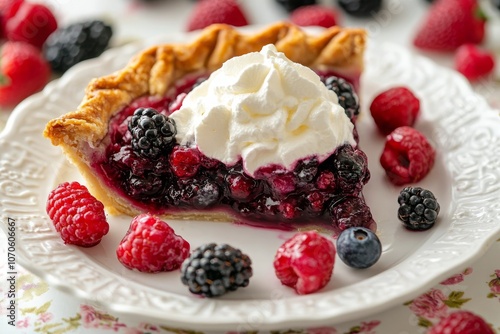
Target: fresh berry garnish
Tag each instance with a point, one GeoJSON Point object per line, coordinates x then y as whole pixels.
{"type": "Point", "coordinates": [77, 215]}
{"type": "Point", "coordinates": [31, 23]}
{"type": "Point", "coordinates": [395, 107]}
{"type": "Point", "coordinates": [213, 270]}
{"type": "Point", "coordinates": [360, 8]}
{"type": "Point", "coordinates": [23, 72]}
{"type": "Point", "coordinates": [418, 208]}
{"type": "Point", "coordinates": [348, 99]}
{"type": "Point", "coordinates": [407, 156]}
{"type": "Point", "coordinates": [305, 262]}
{"type": "Point", "coordinates": [359, 247]}
{"type": "Point", "coordinates": [349, 212]}
{"type": "Point", "coordinates": [151, 245]}
{"type": "Point", "coordinates": [461, 322]}
{"type": "Point", "coordinates": [291, 5]}
{"type": "Point", "coordinates": [314, 15]}
{"type": "Point", "coordinates": [153, 134]}
{"type": "Point", "coordinates": [207, 12]}
{"type": "Point", "coordinates": [473, 62]}
{"type": "Point", "coordinates": [185, 161]}
{"type": "Point", "coordinates": [77, 42]}
{"type": "Point", "coordinates": [450, 24]}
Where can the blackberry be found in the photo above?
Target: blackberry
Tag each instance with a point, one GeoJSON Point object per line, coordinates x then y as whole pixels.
{"type": "Point", "coordinates": [152, 132]}
{"type": "Point", "coordinates": [77, 42]}
{"type": "Point", "coordinates": [360, 8]}
{"type": "Point", "coordinates": [351, 167]}
{"type": "Point", "coordinates": [212, 270]}
{"type": "Point", "coordinates": [345, 92]}
{"type": "Point", "coordinates": [418, 208]}
{"type": "Point", "coordinates": [290, 5]}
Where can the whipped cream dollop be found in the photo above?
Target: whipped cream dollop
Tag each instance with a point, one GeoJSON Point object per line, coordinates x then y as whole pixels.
{"type": "Point", "coordinates": [264, 108]}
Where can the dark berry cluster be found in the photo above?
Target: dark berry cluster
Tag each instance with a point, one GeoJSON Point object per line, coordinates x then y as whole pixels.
{"type": "Point", "coordinates": [152, 133]}
{"type": "Point", "coordinates": [418, 208]}
{"type": "Point", "coordinates": [348, 98]}
{"type": "Point", "coordinates": [77, 42]}
{"type": "Point", "coordinates": [360, 8]}
{"type": "Point", "coordinates": [212, 270]}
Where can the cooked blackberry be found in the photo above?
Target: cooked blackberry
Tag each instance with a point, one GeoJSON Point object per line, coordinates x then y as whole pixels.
{"type": "Point", "coordinates": [351, 169]}
{"type": "Point", "coordinates": [212, 270]}
{"type": "Point", "coordinates": [345, 92]}
{"type": "Point", "coordinates": [418, 208]}
{"type": "Point", "coordinates": [152, 132]}
{"type": "Point", "coordinates": [70, 45]}
{"type": "Point", "coordinates": [290, 5]}
{"type": "Point", "coordinates": [360, 8]}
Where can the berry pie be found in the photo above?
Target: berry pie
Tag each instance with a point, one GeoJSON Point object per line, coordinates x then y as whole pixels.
{"type": "Point", "coordinates": [253, 128]}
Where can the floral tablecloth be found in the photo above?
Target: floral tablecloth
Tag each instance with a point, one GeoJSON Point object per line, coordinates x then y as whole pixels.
{"type": "Point", "coordinates": [42, 309]}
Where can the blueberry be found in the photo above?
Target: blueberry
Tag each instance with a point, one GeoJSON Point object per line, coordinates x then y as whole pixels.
{"type": "Point", "coordinates": [359, 247]}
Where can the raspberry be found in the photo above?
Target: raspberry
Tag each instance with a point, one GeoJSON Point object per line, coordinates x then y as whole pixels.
{"type": "Point", "coordinates": [314, 15]}
{"type": "Point", "coordinates": [462, 322]}
{"type": "Point", "coordinates": [207, 12]}
{"type": "Point", "coordinates": [212, 270]}
{"type": "Point", "coordinates": [185, 161]}
{"type": "Point", "coordinates": [473, 62]}
{"type": "Point", "coordinates": [418, 208]}
{"type": "Point", "coordinates": [77, 215]}
{"type": "Point", "coordinates": [305, 262]}
{"type": "Point", "coordinates": [151, 245]}
{"type": "Point", "coordinates": [31, 23]}
{"type": "Point", "coordinates": [393, 108]}
{"type": "Point", "coordinates": [407, 156]}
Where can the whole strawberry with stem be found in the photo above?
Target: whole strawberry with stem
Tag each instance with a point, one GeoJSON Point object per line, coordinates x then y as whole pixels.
{"type": "Point", "coordinates": [450, 24]}
{"type": "Point", "coordinates": [23, 72]}
{"type": "Point", "coordinates": [77, 215]}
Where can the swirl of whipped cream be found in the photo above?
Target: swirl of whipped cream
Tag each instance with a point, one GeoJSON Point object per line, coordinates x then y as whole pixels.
{"type": "Point", "coordinates": [265, 109]}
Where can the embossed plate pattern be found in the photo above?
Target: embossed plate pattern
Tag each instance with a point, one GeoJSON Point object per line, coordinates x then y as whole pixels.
{"type": "Point", "coordinates": [466, 180]}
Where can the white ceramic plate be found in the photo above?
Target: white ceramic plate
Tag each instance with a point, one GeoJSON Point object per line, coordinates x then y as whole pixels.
{"type": "Point", "coordinates": [465, 179]}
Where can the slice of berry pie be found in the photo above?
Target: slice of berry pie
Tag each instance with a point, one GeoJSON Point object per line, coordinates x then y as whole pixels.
{"type": "Point", "coordinates": [255, 128]}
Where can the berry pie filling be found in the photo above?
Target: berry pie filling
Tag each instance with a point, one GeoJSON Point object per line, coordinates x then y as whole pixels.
{"type": "Point", "coordinates": [263, 139]}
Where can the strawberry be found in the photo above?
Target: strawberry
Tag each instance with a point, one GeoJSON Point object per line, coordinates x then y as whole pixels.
{"type": "Point", "coordinates": [450, 24]}
{"type": "Point", "coordinates": [314, 15]}
{"type": "Point", "coordinates": [473, 62]}
{"type": "Point", "coordinates": [207, 12]}
{"type": "Point", "coordinates": [31, 23]}
{"type": "Point", "coordinates": [23, 71]}
{"type": "Point", "coordinates": [461, 322]}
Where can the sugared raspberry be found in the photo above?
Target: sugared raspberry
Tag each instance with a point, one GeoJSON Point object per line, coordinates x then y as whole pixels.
{"type": "Point", "coordinates": [461, 322]}
{"type": "Point", "coordinates": [407, 156]}
{"type": "Point", "coordinates": [395, 107]}
{"type": "Point", "coordinates": [151, 245]}
{"type": "Point", "coordinates": [185, 161]}
{"type": "Point", "coordinates": [305, 262]}
{"type": "Point", "coordinates": [77, 215]}
{"type": "Point", "coordinates": [473, 62]}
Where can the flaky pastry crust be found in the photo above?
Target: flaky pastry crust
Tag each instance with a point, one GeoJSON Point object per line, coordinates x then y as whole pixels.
{"type": "Point", "coordinates": [156, 69]}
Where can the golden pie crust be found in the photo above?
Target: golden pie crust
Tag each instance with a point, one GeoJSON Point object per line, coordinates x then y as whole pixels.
{"type": "Point", "coordinates": [154, 71]}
